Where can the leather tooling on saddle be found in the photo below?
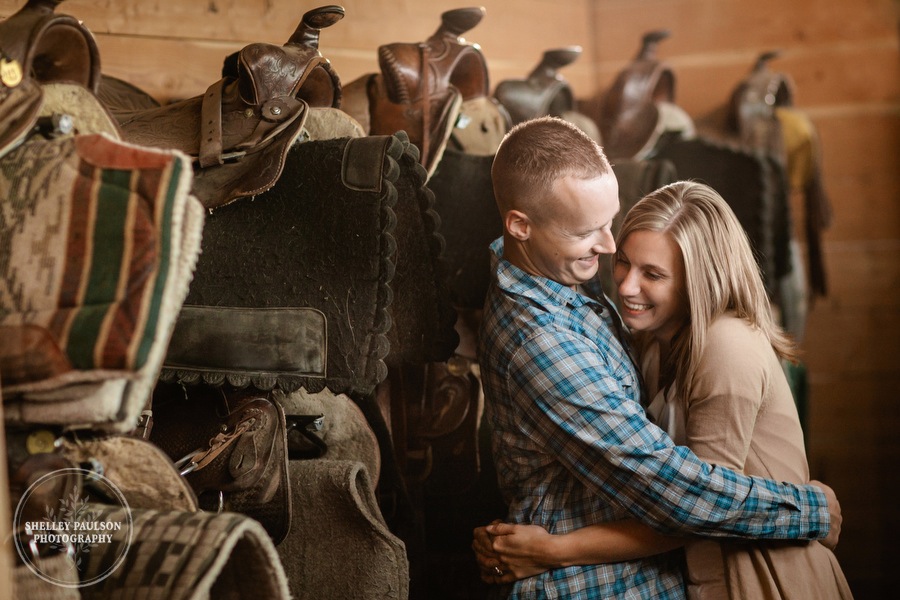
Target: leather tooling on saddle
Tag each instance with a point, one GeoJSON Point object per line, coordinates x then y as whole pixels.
{"type": "Point", "coordinates": [240, 130]}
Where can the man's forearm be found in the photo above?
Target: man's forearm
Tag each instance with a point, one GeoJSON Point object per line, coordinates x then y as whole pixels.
{"type": "Point", "coordinates": [610, 542]}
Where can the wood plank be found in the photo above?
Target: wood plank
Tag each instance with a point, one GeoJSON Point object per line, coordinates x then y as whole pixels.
{"type": "Point", "coordinates": [853, 447]}
{"type": "Point", "coordinates": [871, 418]}
{"type": "Point", "coordinates": [852, 341]}
{"type": "Point", "coordinates": [861, 177]}
{"type": "Point", "coordinates": [824, 79]}
{"type": "Point", "coordinates": [368, 23]}
{"type": "Point", "coordinates": [859, 343]}
{"type": "Point", "coordinates": [700, 26]}
{"type": "Point", "coordinates": [865, 274]}
{"type": "Point", "coordinates": [159, 66]}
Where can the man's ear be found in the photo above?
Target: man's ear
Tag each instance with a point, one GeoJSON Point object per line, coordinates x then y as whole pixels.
{"type": "Point", "coordinates": [517, 224]}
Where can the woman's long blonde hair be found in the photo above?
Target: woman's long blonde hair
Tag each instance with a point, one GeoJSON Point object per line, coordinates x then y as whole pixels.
{"type": "Point", "coordinates": [721, 273]}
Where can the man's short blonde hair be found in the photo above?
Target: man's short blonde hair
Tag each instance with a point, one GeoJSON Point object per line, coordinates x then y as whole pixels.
{"type": "Point", "coordinates": [534, 155]}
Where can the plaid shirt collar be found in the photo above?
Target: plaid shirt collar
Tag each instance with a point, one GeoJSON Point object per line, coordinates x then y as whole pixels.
{"type": "Point", "coordinates": [541, 290]}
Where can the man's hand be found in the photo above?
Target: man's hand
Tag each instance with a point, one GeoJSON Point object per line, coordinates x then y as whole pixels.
{"type": "Point", "coordinates": [834, 510]}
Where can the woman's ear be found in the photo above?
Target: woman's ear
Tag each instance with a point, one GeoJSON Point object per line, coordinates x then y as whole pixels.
{"type": "Point", "coordinates": [517, 224]}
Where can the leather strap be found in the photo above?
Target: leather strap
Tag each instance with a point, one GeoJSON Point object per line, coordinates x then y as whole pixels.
{"type": "Point", "coordinates": [217, 445]}
{"type": "Point", "coordinates": [426, 102]}
{"type": "Point", "coordinates": [210, 153]}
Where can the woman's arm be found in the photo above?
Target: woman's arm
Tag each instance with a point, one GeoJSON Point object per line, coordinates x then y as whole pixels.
{"type": "Point", "coordinates": [525, 550]}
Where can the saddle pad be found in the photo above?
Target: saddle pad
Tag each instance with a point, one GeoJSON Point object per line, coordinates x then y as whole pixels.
{"type": "Point", "coordinates": [99, 239]}
{"type": "Point", "coordinates": [345, 429]}
{"type": "Point", "coordinates": [480, 128]}
{"type": "Point", "coordinates": [341, 546]}
{"type": "Point", "coordinates": [334, 235]}
{"type": "Point", "coordinates": [470, 221]}
{"type": "Point", "coordinates": [141, 471]}
{"type": "Point", "coordinates": [422, 315]}
{"type": "Point", "coordinates": [753, 188]}
{"type": "Point", "coordinates": [176, 555]}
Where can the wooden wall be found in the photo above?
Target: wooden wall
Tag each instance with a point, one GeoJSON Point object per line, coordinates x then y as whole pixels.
{"type": "Point", "coordinates": [843, 56]}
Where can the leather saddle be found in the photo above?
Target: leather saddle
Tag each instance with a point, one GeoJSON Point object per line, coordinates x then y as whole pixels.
{"type": "Point", "coordinates": [422, 85]}
{"type": "Point", "coordinates": [39, 46]}
{"type": "Point", "coordinates": [761, 116]}
{"type": "Point", "coordinates": [751, 109]}
{"type": "Point", "coordinates": [240, 130]}
{"type": "Point", "coordinates": [544, 91]}
{"type": "Point", "coordinates": [640, 105]}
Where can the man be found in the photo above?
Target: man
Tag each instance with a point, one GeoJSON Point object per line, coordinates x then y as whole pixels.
{"type": "Point", "coordinates": [571, 441]}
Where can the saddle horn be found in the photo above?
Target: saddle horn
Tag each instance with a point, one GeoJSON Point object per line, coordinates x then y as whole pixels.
{"type": "Point", "coordinates": [50, 47]}
{"type": "Point", "coordinates": [457, 21]}
{"type": "Point", "coordinates": [317, 84]}
{"type": "Point", "coordinates": [313, 21]}
{"type": "Point", "coordinates": [649, 43]}
{"type": "Point", "coordinates": [763, 60]}
{"type": "Point", "coordinates": [555, 59]}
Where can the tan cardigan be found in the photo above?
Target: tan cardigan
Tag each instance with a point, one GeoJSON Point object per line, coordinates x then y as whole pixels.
{"type": "Point", "coordinates": [742, 415]}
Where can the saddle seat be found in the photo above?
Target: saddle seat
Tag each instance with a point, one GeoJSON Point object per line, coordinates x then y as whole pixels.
{"type": "Point", "coordinates": [751, 111]}
{"type": "Point", "coordinates": [240, 130]}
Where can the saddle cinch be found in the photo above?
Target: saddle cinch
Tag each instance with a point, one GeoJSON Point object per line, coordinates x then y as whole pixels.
{"type": "Point", "coordinates": [240, 130]}
{"type": "Point", "coordinates": [422, 86]}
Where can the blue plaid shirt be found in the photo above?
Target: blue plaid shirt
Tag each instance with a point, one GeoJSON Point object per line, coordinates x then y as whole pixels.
{"type": "Point", "coordinates": [573, 445]}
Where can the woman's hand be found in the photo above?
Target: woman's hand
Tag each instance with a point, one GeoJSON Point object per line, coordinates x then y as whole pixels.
{"type": "Point", "coordinates": [491, 567]}
{"type": "Point", "coordinates": [507, 552]}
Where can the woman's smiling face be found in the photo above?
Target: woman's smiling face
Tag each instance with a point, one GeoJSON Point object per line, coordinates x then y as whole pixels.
{"type": "Point", "coordinates": [649, 273]}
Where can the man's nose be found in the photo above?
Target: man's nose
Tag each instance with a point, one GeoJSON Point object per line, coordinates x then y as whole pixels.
{"type": "Point", "coordinates": [605, 244]}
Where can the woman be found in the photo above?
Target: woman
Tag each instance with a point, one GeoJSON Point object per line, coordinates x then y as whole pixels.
{"type": "Point", "coordinates": [691, 292]}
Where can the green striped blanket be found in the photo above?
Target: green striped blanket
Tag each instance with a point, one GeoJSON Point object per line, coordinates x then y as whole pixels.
{"type": "Point", "coordinates": [98, 240]}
